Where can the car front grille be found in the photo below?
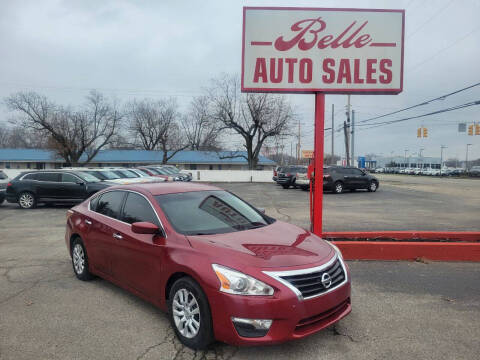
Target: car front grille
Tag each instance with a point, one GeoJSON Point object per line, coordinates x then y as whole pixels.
{"type": "Point", "coordinates": [310, 284]}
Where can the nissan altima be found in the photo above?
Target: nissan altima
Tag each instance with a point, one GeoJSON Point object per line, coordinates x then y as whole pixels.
{"type": "Point", "coordinates": [222, 269]}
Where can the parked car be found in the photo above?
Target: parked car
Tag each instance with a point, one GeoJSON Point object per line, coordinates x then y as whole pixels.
{"type": "Point", "coordinates": [339, 178]}
{"type": "Point", "coordinates": [152, 171]}
{"type": "Point", "coordinates": [276, 170]}
{"type": "Point", "coordinates": [474, 171]}
{"type": "Point", "coordinates": [183, 174]}
{"type": "Point", "coordinates": [221, 268]}
{"type": "Point", "coordinates": [173, 172]}
{"type": "Point", "coordinates": [302, 181]}
{"type": "Point", "coordinates": [3, 186]}
{"type": "Point", "coordinates": [379, 170]}
{"type": "Point", "coordinates": [52, 186]}
{"type": "Point", "coordinates": [288, 175]}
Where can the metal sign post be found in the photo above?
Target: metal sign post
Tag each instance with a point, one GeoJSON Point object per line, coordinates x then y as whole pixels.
{"type": "Point", "coordinates": [317, 216]}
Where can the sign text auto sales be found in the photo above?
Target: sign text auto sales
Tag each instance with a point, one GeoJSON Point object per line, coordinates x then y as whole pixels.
{"type": "Point", "coordinates": [322, 50]}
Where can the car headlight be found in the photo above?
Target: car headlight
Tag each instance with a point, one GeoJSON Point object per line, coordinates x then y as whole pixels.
{"type": "Point", "coordinates": [235, 282]}
{"type": "Point", "coordinates": [337, 250]}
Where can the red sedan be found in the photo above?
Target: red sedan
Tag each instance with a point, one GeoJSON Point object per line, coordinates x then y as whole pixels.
{"type": "Point", "coordinates": [221, 268]}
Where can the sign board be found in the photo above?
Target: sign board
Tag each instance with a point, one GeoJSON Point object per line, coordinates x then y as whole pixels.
{"type": "Point", "coordinates": [307, 154]}
{"type": "Point", "coordinates": [322, 50]}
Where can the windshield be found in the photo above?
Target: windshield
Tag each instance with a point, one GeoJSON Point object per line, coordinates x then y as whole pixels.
{"type": "Point", "coordinates": [155, 171]}
{"type": "Point", "coordinates": [125, 173]}
{"type": "Point", "coordinates": [88, 177]}
{"type": "Point", "coordinates": [171, 170]}
{"type": "Point", "coordinates": [110, 175]}
{"type": "Point", "coordinates": [141, 172]}
{"type": "Point", "coordinates": [163, 171]}
{"type": "Point", "coordinates": [210, 212]}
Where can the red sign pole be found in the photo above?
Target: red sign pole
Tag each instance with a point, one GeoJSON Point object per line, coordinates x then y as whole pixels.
{"type": "Point", "coordinates": [318, 163]}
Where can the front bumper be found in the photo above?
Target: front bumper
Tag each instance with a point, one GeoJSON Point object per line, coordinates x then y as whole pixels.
{"type": "Point", "coordinates": [292, 318]}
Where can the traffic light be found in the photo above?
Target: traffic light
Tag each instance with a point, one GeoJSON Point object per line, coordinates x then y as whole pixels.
{"type": "Point", "coordinates": [425, 132]}
{"type": "Point", "coordinates": [419, 132]}
{"type": "Point", "coordinates": [470, 130]}
{"type": "Point", "coordinates": [477, 129]}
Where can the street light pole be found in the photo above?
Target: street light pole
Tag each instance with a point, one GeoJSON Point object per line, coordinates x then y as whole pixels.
{"type": "Point", "coordinates": [421, 157]}
{"type": "Point", "coordinates": [466, 158]}
{"type": "Point", "coordinates": [406, 150]}
{"type": "Point", "coordinates": [441, 157]}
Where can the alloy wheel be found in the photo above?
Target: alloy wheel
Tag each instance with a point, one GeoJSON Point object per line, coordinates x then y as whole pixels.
{"type": "Point", "coordinates": [373, 186]}
{"type": "Point", "coordinates": [186, 313]}
{"type": "Point", "coordinates": [26, 200]}
{"type": "Point", "coordinates": [339, 188]}
{"type": "Point", "coordinates": [78, 258]}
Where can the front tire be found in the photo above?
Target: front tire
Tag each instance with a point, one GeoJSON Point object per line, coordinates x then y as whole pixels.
{"type": "Point", "coordinates": [373, 186]}
{"type": "Point", "coordinates": [27, 200]}
{"type": "Point", "coordinates": [189, 314]}
{"type": "Point", "coordinates": [80, 260]}
{"type": "Point", "coordinates": [338, 187]}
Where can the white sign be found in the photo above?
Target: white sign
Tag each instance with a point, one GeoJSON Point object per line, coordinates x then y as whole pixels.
{"type": "Point", "coordinates": [322, 50]}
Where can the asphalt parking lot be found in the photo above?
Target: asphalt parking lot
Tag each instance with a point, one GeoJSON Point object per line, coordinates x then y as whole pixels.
{"type": "Point", "coordinates": [401, 310]}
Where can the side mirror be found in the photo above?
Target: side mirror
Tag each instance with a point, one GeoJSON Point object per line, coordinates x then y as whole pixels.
{"type": "Point", "coordinates": [262, 210]}
{"type": "Point", "coordinates": [145, 228]}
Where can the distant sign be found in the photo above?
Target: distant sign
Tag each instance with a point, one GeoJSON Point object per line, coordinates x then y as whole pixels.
{"type": "Point", "coordinates": [462, 127]}
{"type": "Point", "coordinates": [307, 154]}
{"type": "Point", "coordinates": [322, 50]}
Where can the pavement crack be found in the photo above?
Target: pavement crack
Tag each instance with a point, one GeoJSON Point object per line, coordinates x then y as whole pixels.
{"type": "Point", "coordinates": [337, 332]}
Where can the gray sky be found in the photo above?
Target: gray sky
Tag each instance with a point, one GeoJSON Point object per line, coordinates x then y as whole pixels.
{"type": "Point", "coordinates": [130, 49]}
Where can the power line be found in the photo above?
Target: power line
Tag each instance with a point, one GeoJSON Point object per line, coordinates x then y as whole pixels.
{"type": "Point", "coordinates": [430, 19]}
{"type": "Point", "coordinates": [457, 107]}
{"type": "Point", "coordinates": [443, 97]}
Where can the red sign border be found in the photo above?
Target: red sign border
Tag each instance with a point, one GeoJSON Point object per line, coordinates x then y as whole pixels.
{"type": "Point", "coordinates": [325, 91]}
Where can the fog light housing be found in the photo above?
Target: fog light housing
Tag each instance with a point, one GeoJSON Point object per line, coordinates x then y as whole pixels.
{"type": "Point", "coordinates": [251, 328]}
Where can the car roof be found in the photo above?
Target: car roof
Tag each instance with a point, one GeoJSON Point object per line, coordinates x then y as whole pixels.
{"type": "Point", "coordinates": [166, 187]}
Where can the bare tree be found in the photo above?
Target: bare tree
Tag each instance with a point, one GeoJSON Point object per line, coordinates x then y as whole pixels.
{"type": "Point", "coordinates": [201, 131]}
{"type": "Point", "coordinates": [72, 134]}
{"type": "Point", "coordinates": [255, 117]}
{"type": "Point", "coordinates": [154, 126]}
{"type": "Point", "coordinates": [18, 137]}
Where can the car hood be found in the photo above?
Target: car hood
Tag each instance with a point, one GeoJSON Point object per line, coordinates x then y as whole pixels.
{"type": "Point", "coordinates": [276, 245]}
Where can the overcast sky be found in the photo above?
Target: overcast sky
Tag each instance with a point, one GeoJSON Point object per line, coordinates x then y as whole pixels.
{"type": "Point", "coordinates": [154, 49]}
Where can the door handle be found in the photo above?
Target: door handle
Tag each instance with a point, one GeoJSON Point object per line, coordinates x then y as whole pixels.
{"type": "Point", "coordinates": [118, 236]}
{"type": "Point", "coordinates": [88, 222]}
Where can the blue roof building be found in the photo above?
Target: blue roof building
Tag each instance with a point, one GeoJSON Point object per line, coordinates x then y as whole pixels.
{"type": "Point", "coordinates": [193, 160]}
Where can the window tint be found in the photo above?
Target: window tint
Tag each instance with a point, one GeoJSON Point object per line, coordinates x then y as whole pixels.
{"type": "Point", "coordinates": [110, 203]}
{"type": "Point", "coordinates": [356, 172]}
{"type": "Point", "coordinates": [138, 209]}
{"type": "Point", "coordinates": [93, 203]}
{"type": "Point", "coordinates": [69, 178]}
{"type": "Point", "coordinates": [30, 177]}
{"type": "Point", "coordinates": [53, 177]}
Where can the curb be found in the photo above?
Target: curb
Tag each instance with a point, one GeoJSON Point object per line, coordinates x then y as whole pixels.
{"type": "Point", "coordinates": [462, 246]}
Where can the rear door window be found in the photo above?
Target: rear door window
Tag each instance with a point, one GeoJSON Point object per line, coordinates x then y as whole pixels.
{"type": "Point", "coordinates": [30, 177]}
{"type": "Point", "coordinates": [110, 204]}
{"type": "Point", "coordinates": [50, 177]}
{"type": "Point", "coordinates": [138, 209]}
{"type": "Point", "coordinates": [69, 178]}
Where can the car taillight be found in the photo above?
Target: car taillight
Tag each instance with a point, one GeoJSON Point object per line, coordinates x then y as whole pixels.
{"type": "Point", "coordinates": [9, 184]}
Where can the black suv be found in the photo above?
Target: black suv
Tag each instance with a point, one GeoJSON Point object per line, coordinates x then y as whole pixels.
{"type": "Point", "coordinates": [339, 178]}
{"type": "Point", "coordinates": [287, 175]}
{"type": "Point", "coordinates": [52, 186]}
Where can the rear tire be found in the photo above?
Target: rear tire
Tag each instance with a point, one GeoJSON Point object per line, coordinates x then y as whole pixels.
{"type": "Point", "coordinates": [190, 314]}
{"type": "Point", "coordinates": [80, 260]}
{"type": "Point", "coordinates": [285, 186]}
{"type": "Point", "coordinates": [27, 200]}
{"type": "Point", "coordinates": [338, 187]}
{"type": "Point", "coordinates": [373, 186]}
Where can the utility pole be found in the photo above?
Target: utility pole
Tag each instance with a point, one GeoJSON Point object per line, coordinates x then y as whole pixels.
{"type": "Point", "coordinates": [406, 150]}
{"type": "Point", "coordinates": [466, 158]}
{"type": "Point", "coordinates": [346, 132]}
{"type": "Point", "coordinates": [333, 134]}
{"type": "Point", "coordinates": [441, 157]}
{"type": "Point", "coordinates": [353, 138]}
{"type": "Point", "coordinates": [298, 141]}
